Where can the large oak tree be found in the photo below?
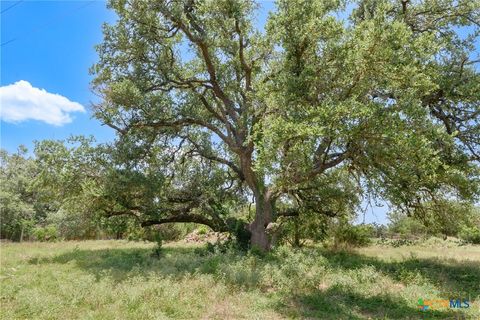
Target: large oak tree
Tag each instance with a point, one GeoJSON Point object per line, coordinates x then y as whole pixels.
{"type": "Point", "coordinates": [331, 100]}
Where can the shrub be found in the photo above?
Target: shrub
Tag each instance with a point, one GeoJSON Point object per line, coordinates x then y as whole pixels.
{"type": "Point", "coordinates": [397, 242]}
{"type": "Point", "coordinates": [353, 235]}
{"type": "Point", "coordinates": [48, 233]}
{"type": "Point", "coordinates": [470, 234]}
{"type": "Point", "coordinates": [406, 226]}
{"type": "Point", "coordinates": [379, 230]}
{"type": "Point", "coordinates": [241, 233]}
{"type": "Point", "coordinates": [203, 230]}
{"type": "Point", "coordinates": [401, 242]}
{"type": "Point", "coordinates": [158, 249]}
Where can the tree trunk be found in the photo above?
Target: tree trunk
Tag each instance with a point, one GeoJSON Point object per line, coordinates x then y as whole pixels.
{"type": "Point", "coordinates": [296, 241]}
{"type": "Point", "coordinates": [21, 233]}
{"type": "Point", "coordinates": [263, 216]}
{"type": "Point", "coordinates": [264, 204]}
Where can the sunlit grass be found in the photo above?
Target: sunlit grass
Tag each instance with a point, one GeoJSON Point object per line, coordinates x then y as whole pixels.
{"type": "Point", "coordinates": [121, 280]}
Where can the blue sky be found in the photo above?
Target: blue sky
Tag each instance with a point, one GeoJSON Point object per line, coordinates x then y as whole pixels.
{"type": "Point", "coordinates": [50, 45]}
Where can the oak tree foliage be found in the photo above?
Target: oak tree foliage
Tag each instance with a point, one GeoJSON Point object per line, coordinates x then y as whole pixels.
{"type": "Point", "coordinates": [331, 101]}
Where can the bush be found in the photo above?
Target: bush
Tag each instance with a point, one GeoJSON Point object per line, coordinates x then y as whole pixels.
{"type": "Point", "coordinates": [470, 234]}
{"type": "Point", "coordinates": [158, 249]}
{"type": "Point", "coordinates": [48, 233]}
{"type": "Point", "coordinates": [379, 230]}
{"type": "Point", "coordinates": [203, 230]}
{"type": "Point", "coordinates": [241, 233]}
{"type": "Point", "coordinates": [405, 226]}
{"type": "Point", "coordinates": [353, 235]}
{"type": "Point", "coordinates": [401, 242]}
{"type": "Point", "coordinates": [397, 242]}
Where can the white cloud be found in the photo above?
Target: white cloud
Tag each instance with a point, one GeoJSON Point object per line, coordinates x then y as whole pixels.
{"type": "Point", "coordinates": [20, 102]}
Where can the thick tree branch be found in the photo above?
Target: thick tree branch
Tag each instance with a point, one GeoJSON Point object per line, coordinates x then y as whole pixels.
{"type": "Point", "coordinates": [186, 218]}
{"type": "Point", "coordinates": [210, 156]}
{"type": "Point", "coordinates": [184, 122]}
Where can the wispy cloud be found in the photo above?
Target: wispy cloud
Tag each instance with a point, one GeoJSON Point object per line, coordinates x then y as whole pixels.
{"type": "Point", "coordinates": [20, 102]}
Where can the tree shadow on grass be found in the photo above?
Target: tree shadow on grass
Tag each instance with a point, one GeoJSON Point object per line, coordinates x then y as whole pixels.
{"type": "Point", "coordinates": [124, 263]}
{"type": "Point", "coordinates": [454, 279]}
{"type": "Point", "coordinates": [340, 303]}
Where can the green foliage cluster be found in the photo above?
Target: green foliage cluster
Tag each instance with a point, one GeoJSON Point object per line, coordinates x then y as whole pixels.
{"type": "Point", "coordinates": [470, 234]}
{"type": "Point", "coordinates": [405, 226]}
{"type": "Point", "coordinates": [19, 208]}
{"type": "Point", "coordinates": [346, 234]}
{"type": "Point", "coordinates": [296, 231]}
{"type": "Point", "coordinates": [47, 233]}
{"type": "Point", "coordinates": [30, 211]}
{"type": "Point", "coordinates": [471, 231]}
{"type": "Point", "coordinates": [441, 219]}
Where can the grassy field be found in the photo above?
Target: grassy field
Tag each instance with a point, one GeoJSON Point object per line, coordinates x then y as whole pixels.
{"type": "Point", "coordinates": [121, 280]}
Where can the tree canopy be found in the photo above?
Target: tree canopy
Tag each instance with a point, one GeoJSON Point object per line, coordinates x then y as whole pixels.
{"type": "Point", "coordinates": [331, 102]}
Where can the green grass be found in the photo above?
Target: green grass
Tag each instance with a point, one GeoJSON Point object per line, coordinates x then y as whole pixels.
{"type": "Point", "coordinates": [121, 280]}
